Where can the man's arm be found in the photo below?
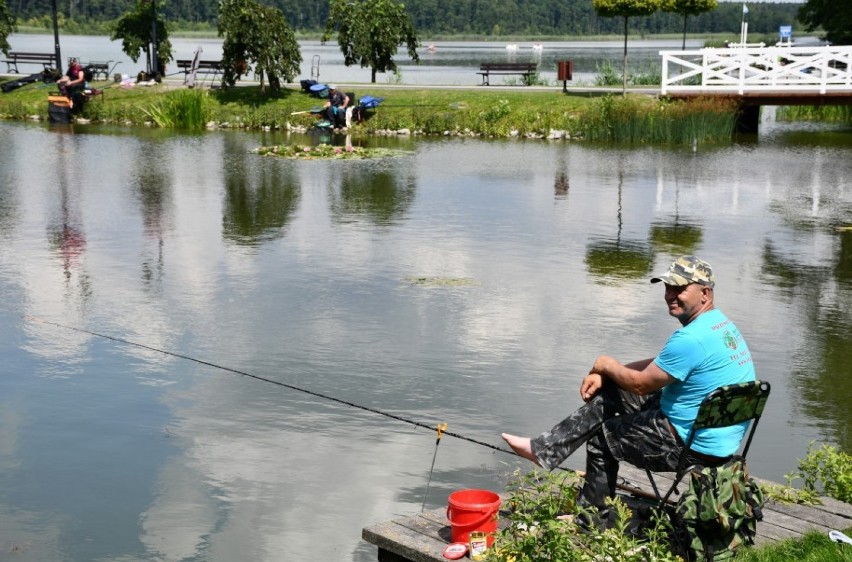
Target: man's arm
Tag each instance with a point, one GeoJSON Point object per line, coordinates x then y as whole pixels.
{"type": "Point", "coordinates": [640, 377]}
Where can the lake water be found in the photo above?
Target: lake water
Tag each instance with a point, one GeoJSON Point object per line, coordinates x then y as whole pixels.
{"type": "Point", "coordinates": [452, 63]}
{"type": "Point", "coordinates": [167, 298]}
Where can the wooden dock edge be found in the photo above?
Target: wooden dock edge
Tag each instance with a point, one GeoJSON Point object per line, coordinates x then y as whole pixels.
{"type": "Point", "coordinates": [422, 537]}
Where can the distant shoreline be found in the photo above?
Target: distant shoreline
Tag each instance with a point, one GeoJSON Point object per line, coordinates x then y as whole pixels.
{"type": "Point", "coordinates": [212, 34]}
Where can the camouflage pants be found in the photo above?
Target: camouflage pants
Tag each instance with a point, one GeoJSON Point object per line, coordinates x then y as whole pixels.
{"type": "Point", "coordinates": [616, 426]}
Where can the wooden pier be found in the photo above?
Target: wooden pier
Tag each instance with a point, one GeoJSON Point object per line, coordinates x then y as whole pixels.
{"type": "Point", "coordinates": [422, 537]}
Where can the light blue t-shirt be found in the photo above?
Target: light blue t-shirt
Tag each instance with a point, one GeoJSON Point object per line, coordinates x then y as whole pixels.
{"type": "Point", "coordinates": [707, 353]}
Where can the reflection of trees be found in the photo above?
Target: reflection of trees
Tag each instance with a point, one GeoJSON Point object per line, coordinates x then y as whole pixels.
{"type": "Point", "coordinates": [678, 238]}
{"type": "Point", "coordinates": [153, 182]}
{"type": "Point", "coordinates": [822, 370]}
{"type": "Point", "coordinates": [260, 198]}
{"type": "Point", "coordinates": [377, 194]}
{"type": "Point", "coordinates": [616, 259]}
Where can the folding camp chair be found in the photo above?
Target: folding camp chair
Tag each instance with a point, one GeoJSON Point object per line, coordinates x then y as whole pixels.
{"type": "Point", "coordinates": [725, 406]}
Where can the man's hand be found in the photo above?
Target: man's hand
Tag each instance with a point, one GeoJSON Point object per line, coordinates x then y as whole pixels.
{"type": "Point", "coordinates": [592, 383]}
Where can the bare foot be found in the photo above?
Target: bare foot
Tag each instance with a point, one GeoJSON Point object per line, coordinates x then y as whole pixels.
{"type": "Point", "coordinates": [522, 446]}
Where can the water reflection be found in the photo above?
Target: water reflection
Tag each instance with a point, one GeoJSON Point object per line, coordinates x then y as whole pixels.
{"type": "Point", "coordinates": [678, 237]}
{"type": "Point", "coordinates": [609, 260]}
{"type": "Point", "coordinates": [261, 197]}
{"type": "Point", "coordinates": [65, 230]}
{"type": "Point", "coordinates": [560, 183]}
{"type": "Point", "coordinates": [823, 292]}
{"type": "Point", "coordinates": [152, 180]}
{"type": "Point", "coordinates": [381, 194]}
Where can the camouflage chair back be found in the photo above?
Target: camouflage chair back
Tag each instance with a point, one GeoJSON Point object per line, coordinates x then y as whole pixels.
{"type": "Point", "coordinates": [719, 510]}
{"type": "Point", "coordinates": [727, 405]}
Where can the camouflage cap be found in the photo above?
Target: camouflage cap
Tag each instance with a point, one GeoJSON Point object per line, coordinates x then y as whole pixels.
{"type": "Point", "coordinates": [686, 270]}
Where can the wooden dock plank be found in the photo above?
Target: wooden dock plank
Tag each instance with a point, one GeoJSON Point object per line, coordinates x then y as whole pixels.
{"type": "Point", "coordinates": [416, 538]}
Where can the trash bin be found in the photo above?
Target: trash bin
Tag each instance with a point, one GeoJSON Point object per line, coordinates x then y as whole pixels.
{"type": "Point", "coordinates": [565, 68]}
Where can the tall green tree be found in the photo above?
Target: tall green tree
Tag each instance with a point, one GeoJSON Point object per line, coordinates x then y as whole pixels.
{"type": "Point", "coordinates": [625, 9]}
{"type": "Point", "coordinates": [136, 31]}
{"type": "Point", "coordinates": [688, 8]}
{"type": "Point", "coordinates": [260, 36]}
{"type": "Point", "coordinates": [834, 17]}
{"type": "Point", "coordinates": [7, 27]}
{"type": "Point", "coordinates": [370, 31]}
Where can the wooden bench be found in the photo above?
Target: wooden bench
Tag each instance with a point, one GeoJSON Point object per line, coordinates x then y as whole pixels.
{"type": "Point", "coordinates": [46, 60]}
{"type": "Point", "coordinates": [422, 537]}
{"type": "Point", "coordinates": [210, 68]}
{"type": "Point", "coordinates": [524, 69]}
{"type": "Point", "coordinates": [100, 68]}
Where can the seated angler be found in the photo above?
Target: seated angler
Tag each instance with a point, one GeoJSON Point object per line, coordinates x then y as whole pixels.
{"type": "Point", "coordinates": [335, 108]}
{"type": "Point", "coordinates": [641, 412]}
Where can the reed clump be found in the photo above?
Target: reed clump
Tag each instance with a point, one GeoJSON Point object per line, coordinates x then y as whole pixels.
{"type": "Point", "coordinates": [639, 120]}
{"type": "Point", "coordinates": [181, 109]}
{"type": "Point", "coordinates": [825, 113]}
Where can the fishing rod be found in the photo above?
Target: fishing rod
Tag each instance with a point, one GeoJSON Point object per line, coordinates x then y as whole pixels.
{"type": "Point", "coordinates": [441, 428]}
{"type": "Point", "coordinates": [270, 381]}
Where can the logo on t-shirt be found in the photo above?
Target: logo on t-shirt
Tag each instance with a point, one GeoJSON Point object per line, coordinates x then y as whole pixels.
{"type": "Point", "coordinates": [730, 340]}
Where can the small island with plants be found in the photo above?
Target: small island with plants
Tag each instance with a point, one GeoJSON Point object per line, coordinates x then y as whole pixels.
{"type": "Point", "coordinates": [326, 152]}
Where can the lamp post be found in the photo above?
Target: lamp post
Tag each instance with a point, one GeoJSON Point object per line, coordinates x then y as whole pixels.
{"type": "Point", "coordinates": [56, 36]}
{"type": "Point", "coordinates": [155, 68]}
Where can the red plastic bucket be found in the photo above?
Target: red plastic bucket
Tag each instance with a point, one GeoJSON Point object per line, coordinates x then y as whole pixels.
{"type": "Point", "coordinates": [473, 510]}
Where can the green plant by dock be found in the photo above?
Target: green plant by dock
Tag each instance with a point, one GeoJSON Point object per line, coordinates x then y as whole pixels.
{"type": "Point", "coordinates": [542, 526]}
{"type": "Point", "coordinates": [541, 506]}
{"type": "Point", "coordinates": [825, 470]}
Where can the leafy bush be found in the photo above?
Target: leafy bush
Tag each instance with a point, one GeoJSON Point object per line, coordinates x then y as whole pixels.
{"type": "Point", "coordinates": [541, 526]}
{"type": "Point", "coordinates": [607, 74]}
{"type": "Point", "coordinates": [824, 470]}
{"type": "Point", "coordinates": [650, 74]}
{"type": "Point", "coordinates": [828, 469]}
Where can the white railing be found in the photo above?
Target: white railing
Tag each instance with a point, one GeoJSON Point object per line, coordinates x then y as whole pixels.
{"type": "Point", "coordinates": [758, 69]}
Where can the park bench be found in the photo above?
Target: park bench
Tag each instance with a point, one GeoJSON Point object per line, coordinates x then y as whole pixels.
{"type": "Point", "coordinates": [100, 68]}
{"type": "Point", "coordinates": [212, 68]}
{"type": "Point", "coordinates": [524, 69]}
{"type": "Point", "coordinates": [46, 60]}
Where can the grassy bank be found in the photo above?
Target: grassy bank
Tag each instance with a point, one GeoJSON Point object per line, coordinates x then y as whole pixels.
{"type": "Point", "coordinates": [521, 112]}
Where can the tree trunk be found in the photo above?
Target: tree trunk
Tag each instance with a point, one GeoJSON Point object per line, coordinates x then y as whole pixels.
{"type": "Point", "coordinates": [624, 68]}
{"type": "Point", "coordinates": [373, 75]}
{"type": "Point", "coordinates": [683, 47]}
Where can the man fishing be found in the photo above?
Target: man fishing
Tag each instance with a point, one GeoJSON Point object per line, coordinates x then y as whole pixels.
{"type": "Point", "coordinates": [335, 107]}
{"type": "Point", "coordinates": [72, 84]}
{"type": "Point", "coordinates": [641, 412]}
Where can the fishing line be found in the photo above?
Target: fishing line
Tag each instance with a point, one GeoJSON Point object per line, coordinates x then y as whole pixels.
{"type": "Point", "coordinates": [441, 428]}
{"type": "Point", "coordinates": [270, 381]}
